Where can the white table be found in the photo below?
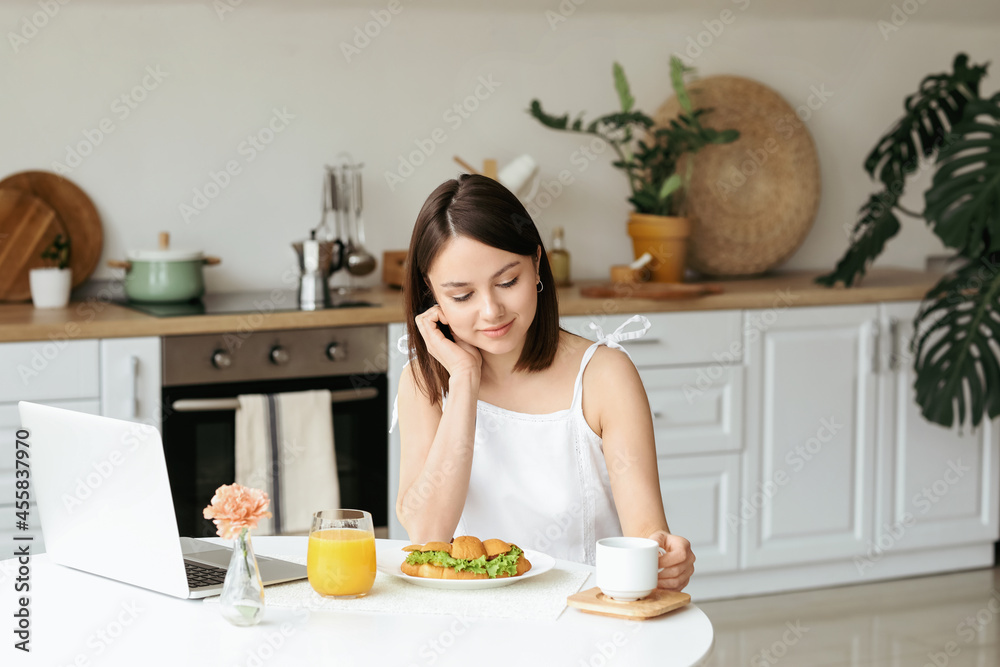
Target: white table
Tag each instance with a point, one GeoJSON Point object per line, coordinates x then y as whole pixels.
{"type": "Point", "coordinates": [81, 619]}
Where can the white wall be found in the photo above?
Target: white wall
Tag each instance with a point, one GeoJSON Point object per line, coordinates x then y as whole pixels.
{"type": "Point", "coordinates": [225, 76]}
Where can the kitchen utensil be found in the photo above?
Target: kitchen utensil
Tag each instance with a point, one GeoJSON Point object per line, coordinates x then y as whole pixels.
{"type": "Point", "coordinates": [164, 275]}
{"type": "Point", "coordinates": [27, 227]}
{"type": "Point", "coordinates": [650, 290]}
{"type": "Point", "coordinates": [74, 209]}
{"type": "Point", "coordinates": [360, 262]}
{"type": "Point", "coordinates": [315, 258]}
{"type": "Point", "coordinates": [465, 165]}
{"type": "Point", "coordinates": [329, 232]}
{"type": "Point", "coordinates": [753, 201]}
{"type": "Point", "coordinates": [660, 601]}
{"type": "Point", "coordinates": [518, 175]}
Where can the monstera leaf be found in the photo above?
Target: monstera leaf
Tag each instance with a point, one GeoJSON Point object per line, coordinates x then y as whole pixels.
{"type": "Point", "coordinates": [939, 104]}
{"type": "Point", "coordinates": [932, 114]}
{"type": "Point", "coordinates": [963, 202]}
{"type": "Point", "coordinates": [957, 373]}
{"type": "Point", "coordinates": [877, 225]}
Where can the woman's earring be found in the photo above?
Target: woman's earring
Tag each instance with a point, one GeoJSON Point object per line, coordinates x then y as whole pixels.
{"type": "Point", "coordinates": [540, 286]}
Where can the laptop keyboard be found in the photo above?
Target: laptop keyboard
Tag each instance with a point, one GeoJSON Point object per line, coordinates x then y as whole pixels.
{"type": "Point", "coordinates": [203, 576]}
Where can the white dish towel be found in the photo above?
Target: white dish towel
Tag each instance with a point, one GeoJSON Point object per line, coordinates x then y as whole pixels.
{"type": "Point", "coordinates": [284, 445]}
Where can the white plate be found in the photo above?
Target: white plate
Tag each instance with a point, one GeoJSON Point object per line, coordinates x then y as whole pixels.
{"type": "Point", "coordinates": [389, 562]}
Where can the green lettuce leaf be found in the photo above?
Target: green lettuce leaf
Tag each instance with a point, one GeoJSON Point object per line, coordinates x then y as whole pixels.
{"type": "Point", "coordinates": [504, 564]}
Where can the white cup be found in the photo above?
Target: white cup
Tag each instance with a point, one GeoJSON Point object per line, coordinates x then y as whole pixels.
{"type": "Point", "coordinates": [627, 567]}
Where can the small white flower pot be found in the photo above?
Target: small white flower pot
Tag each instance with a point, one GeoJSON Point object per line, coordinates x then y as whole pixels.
{"type": "Point", "coordinates": [50, 287]}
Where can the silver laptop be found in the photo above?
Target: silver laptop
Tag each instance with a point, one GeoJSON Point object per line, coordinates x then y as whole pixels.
{"type": "Point", "coordinates": [105, 506]}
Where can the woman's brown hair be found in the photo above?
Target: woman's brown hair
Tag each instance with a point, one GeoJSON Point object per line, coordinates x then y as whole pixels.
{"type": "Point", "coordinates": [478, 208]}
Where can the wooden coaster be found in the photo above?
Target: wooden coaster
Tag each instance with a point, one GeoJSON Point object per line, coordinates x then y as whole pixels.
{"type": "Point", "coordinates": [593, 601]}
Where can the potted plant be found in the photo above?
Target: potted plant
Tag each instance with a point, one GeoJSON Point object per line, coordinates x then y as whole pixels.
{"type": "Point", "coordinates": [50, 285]}
{"type": "Point", "coordinates": [650, 157]}
{"type": "Point", "coordinates": [957, 374]}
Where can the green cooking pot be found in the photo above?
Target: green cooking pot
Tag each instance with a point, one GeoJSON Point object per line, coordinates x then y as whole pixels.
{"type": "Point", "coordinates": [164, 276]}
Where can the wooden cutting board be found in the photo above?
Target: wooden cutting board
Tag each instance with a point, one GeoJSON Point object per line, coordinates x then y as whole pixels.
{"type": "Point", "coordinates": [27, 227]}
{"type": "Point", "coordinates": [76, 211]}
{"type": "Point", "coordinates": [650, 290]}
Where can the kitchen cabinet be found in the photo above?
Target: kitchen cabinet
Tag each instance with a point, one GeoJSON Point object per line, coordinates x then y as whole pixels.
{"type": "Point", "coordinates": [691, 368]}
{"type": "Point", "coordinates": [130, 379]}
{"type": "Point", "coordinates": [809, 474]}
{"type": "Point", "coordinates": [57, 372]}
{"type": "Point", "coordinates": [700, 498]}
{"type": "Point", "coordinates": [937, 486]}
{"type": "Point", "coordinates": [397, 360]}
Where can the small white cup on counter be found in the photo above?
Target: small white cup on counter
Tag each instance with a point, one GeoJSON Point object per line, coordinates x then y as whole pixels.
{"type": "Point", "coordinates": [627, 567]}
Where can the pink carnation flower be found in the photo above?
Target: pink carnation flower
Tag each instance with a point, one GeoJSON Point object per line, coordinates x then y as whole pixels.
{"type": "Point", "coordinates": [236, 507]}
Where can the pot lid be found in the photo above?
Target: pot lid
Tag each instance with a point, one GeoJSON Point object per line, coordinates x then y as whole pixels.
{"type": "Point", "coordinates": [165, 255]}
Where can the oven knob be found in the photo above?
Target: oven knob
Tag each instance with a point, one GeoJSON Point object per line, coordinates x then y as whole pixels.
{"type": "Point", "coordinates": [221, 359]}
{"type": "Point", "coordinates": [279, 355]}
{"type": "Point", "coordinates": [334, 352]}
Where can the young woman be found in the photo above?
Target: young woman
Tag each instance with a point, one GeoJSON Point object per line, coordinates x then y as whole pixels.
{"type": "Point", "coordinates": [503, 433]}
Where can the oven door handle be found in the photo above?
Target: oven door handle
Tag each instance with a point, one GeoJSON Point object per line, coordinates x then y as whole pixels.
{"type": "Point", "coordinates": [214, 404]}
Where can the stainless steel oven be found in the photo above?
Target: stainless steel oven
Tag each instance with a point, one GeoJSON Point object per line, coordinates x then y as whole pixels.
{"type": "Point", "coordinates": [204, 374]}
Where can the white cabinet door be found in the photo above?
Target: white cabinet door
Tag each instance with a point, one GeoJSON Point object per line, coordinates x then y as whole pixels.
{"type": "Point", "coordinates": [695, 410]}
{"type": "Point", "coordinates": [396, 362]}
{"type": "Point", "coordinates": [10, 422]}
{"type": "Point", "coordinates": [130, 379]}
{"type": "Point", "coordinates": [700, 495]}
{"type": "Point", "coordinates": [808, 484]}
{"type": "Point", "coordinates": [937, 486]}
{"type": "Point", "coordinates": [48, 370]}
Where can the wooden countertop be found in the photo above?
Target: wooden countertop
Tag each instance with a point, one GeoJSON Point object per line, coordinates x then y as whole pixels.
{"type": "Point", "coordinates": [97, 319]}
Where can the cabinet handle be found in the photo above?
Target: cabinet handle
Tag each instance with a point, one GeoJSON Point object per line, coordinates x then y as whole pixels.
{"type": "Point", "coordinates": [894, 356]}
{"type": "Point", "coordinates": [133, 399]}
{"type": "Point", "coordinates": [876, 362]}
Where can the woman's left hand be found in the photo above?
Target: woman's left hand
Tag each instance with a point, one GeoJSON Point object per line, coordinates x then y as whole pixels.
{"type": "Point", "coordinates": [677, 563]}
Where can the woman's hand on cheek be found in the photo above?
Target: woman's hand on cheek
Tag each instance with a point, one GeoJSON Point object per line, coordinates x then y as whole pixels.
{"type": "Point", "coordinates": [677, 563]}
{"type": "Point", "coordinates": [457, 357]}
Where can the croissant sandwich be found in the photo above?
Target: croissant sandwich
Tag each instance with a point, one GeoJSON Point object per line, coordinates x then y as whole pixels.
{"type": "Point", "coordinates": [465, 558]}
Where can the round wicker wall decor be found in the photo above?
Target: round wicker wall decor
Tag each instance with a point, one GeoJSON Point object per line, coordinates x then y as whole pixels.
{"type": "Point", "coordinates": [751, 202]}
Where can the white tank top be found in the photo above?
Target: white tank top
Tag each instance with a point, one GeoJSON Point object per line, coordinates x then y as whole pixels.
{"type": "Point", "coordinates": [541, 481]}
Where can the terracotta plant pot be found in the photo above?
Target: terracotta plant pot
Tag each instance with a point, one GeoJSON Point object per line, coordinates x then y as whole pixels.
{"type": "Point", "coordinates": [666, 239]}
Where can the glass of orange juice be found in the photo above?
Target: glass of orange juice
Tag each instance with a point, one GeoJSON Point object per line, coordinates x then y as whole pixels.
{"type": "Point", "coordinates": [340, 562]}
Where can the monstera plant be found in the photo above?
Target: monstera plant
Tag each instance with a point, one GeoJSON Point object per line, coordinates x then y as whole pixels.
{"type": "Point", "coordinates": [957, 328]}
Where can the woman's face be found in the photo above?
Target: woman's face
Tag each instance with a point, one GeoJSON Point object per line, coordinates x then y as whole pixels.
{"type": "Point", "coordinates": [487, 295]}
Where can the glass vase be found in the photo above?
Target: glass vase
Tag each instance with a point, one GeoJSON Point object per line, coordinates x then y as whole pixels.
{"type": "Point", "coordinates": [242, 598]}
